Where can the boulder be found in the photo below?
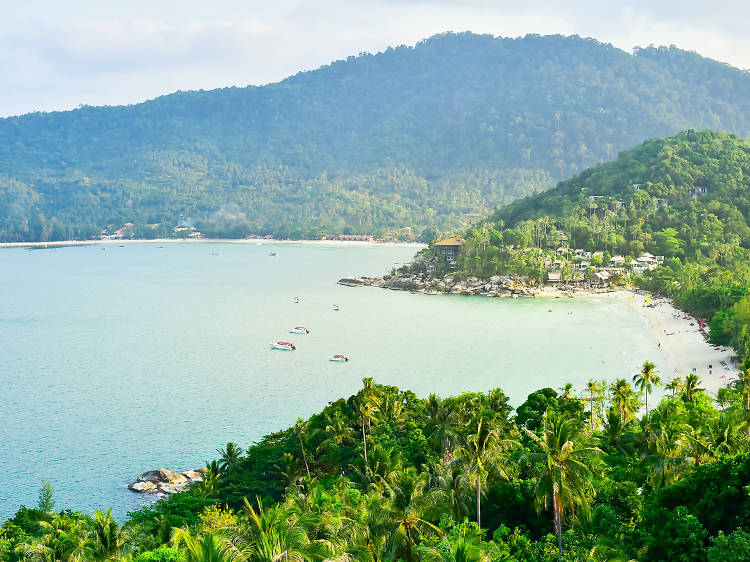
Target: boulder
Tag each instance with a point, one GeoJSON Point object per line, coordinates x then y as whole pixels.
{"type": "Point", "coordinates": [163, 475]}
{"type": "Point", "coordinates": [143, 487]}
{"type": "Point", "coordinates": [193, 476]}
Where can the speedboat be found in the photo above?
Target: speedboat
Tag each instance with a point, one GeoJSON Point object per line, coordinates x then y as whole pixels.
{"type": "Point", "coordinates": [339, 357]}
{"type": "Point", "coordinates": [274, 253]}
{"type": "Point", "coordinates": [285, 345]}
{"type": "Point", "coordinates": [299, 330]}
{"type": "Point", "coordinates": [296, 300]}
{"type": "Point", "coordinates": [336, 307]}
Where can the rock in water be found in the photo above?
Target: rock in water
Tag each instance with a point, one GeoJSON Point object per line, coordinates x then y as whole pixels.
{"type": "Point", "coordinates": [143, 487]}
{"type": "Point", "coordinates": [163, 476]}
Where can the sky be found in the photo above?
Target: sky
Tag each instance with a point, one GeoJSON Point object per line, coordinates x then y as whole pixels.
{"type": "Point", "coordinates": [58, 55]}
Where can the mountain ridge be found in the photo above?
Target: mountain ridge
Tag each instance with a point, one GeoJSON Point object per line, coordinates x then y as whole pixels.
{"type": "Point", "coordinates": [423, 136]}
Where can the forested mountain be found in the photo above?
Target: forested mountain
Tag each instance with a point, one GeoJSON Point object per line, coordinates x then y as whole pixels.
{"type": "Point", "coordinates": [686, 198]}
{"type": "Point", "coordinates": [428, 136]}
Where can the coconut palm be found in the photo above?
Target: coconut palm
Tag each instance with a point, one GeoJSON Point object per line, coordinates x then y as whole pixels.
{"type": "Point", "coordinates": [230, 457]}
{"type": "Point", "coordinates": [484, 456]}
{"type": "Point", "coordinates": [665, 457]}
{"type": "Point", "coordinates": [691, 390]}
{"type": "Point", "coordinates": [206, 548]}
{"type": "Point", "coordinates": [646, 379]}
{"type": "Point", "coordinates": [62, 538]}
{"type": "Point", "coordinates": [453, 482]}
{"type": "Point", "coordinates": [106, 539]}
{"type": "Point", "coordinates": [440, 425]}
{"type": "Point", "coordinates": [273, 535]}
{"type": "Point", "coordinates": [594, 388]}
{"type": "Point", "coordinates": [674, 384]}
{"type": "Point", "coordinates": [408, 503]}
{"type": "Point", "coordinates": [565, 468]}
{"type": "Point", "coordinates": [368, 407]}
{"type": "Point", "coordinates": [300, 429]}
{"type": "Point", "coordinates": [462, 550]}
{"type": "Point", "coordinates": [624, 399]}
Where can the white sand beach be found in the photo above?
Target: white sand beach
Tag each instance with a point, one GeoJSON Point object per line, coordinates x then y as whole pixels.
{"type": "Point", "coordinates": [61, 243]}
{"type": "Point", "coordinates": [681, 342]}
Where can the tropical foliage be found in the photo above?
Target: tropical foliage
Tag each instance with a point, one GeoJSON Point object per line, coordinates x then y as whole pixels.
{"type": "Point", "coordinates": [461, 479]}
{"type": "Point", "coordinates": [431, 136]}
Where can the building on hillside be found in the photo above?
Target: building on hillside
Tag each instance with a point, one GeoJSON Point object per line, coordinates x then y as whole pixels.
{"type": "Point", "coordinates": [600, 279]}
{"type": "Point", "coordinates": [553, 277]}
{"type": "Point", "coordinates": [448, 249]}
{"type": "Point", "coordinates": [616, 261]}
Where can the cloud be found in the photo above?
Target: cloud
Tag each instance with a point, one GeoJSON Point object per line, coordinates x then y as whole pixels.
{"type": "Point", "coordinates": [55, 55]}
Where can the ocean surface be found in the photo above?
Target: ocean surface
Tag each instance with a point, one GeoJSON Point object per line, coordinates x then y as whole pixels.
{"type": "Point", "coordinates": [118, 361]}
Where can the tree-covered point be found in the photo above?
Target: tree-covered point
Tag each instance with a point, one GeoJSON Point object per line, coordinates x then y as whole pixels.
{"type": "Point", "coordinates": [434, 135]}
{"type": "Point", "coordinates": [686, 197]}
{"type": "Point", "coordinates": [385, 475]}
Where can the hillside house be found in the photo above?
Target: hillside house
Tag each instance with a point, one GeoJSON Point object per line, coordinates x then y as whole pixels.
{"type": "Point", "coordinates": [616, 261]}
{"type": "Point", "coordinates": [448, 249]}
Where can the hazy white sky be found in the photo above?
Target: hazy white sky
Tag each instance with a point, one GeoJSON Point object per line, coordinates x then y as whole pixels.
{"type": "Point", "coordinates": [57, 55]}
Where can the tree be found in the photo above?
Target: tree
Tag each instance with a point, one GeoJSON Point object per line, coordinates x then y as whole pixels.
{"type": "Point", "coordinates": [206, 548]}
{"type": "Point", "coordinates": [646, 379]}
{"type": "Point", "coordinates": [484, 455]}
{"type": "Point", "coordinates": [674, 384]}
{"type": "Point", "coordinates": [623, 399]}
{"type": "Point", "coordinates": [299, 430]}
{"type": "Point", "coordinates": [594, 388]}
{"type": "Point", "coordinates": [230, 457]}
{"type": "Point", "coordinates": [691, 389]}
{"type": "Point", "coordinates": [368, 407]}
{"type": "Point", "coordinates": [46, 503]}
{"type": "Point", "coordinates": [565, 468]}
{"type": "Point", "coordinates": [106, 537]}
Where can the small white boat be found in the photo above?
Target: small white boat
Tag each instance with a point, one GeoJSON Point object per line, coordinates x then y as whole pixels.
{"type": "Point", "coordinates": [296, 300]}
{"type": "Point", "coordinates": [299, 330]}
{"type": "Point", "coordinates": [274, 253]}
{"type": "Point", "coordinates": [336, 307]}
{"type": "Point", "coordinates": [339, 357]}
{"type": "Point", "coordinates": [285, 345]}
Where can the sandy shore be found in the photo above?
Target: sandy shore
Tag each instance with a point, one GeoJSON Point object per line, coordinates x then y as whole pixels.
{"type": "Point", "coordinates": [681, 342]}
{"type": "Point", "coordinates": [58, 244]}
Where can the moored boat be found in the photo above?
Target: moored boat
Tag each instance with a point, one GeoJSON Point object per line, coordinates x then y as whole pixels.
{"type": "Point", "coordinates": [274, 253]}
{"type": "Point", "coordinates": [339, 357]}
{"type": "Point", "coordinates": [285, 345]}
{"type": "Point", "coordinates": [299, 330]}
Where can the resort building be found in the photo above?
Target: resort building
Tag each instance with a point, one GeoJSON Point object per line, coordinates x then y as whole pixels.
{"type": "Point", "coordinates": [448, 249]}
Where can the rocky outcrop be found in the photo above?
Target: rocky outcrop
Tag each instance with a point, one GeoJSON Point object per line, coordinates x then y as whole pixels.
{"type": "Point", "coordinates": [165, 481]}
{"type": "Point", "coordinates": [496, 286]}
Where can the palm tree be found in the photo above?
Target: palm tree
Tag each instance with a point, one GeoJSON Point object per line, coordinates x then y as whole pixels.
{"type": "Point", "coordinates": [368, 407]}
{"type": "Point", "coordinates": [565, 468]}
{"type": "Point", "coordinates": [594, 387]}
{"type": "Point", "coordinates": [742, 384]}
{"type": "Point", "coordinates": [624, 399]}
{"type": "Point", "coordinates": [440, 425]}
{"type": "Point", "coordinates": [106, 538]}
{"type": "Point", "coordinates": [207, 548]}
{"type": "Point", "coordinates": [230, 457]}
{"type": "Point", "coordinates": [408, 503]}
{"type": "Point", "coordinates": [484, 455]}
{"type": "Point", "coordinates": [453, 482]}
{"type": "Point", "coordinates": [462, 550]}
{"type": "Point", "coordinates": [691, 387]}
{"type": "Point", "coordinates": [674, 384]}
{"type": "Point", "coordinates": [646, 379]}
{"type": "Point", "coordinates": [299, 430]}
{"type": "Point", "coordinates": [274, 535]}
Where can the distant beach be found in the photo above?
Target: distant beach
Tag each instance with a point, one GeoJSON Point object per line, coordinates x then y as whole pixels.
{"type": "Point", "coordinates": [62, 243]}
{"type": "Point", "coordinates": [681, 342]}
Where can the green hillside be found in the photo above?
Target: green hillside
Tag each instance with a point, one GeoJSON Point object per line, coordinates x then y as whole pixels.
{"type": "Point", "coordinates": [686, 198]}
{"type": "Point", "coordinates": [435, 135]}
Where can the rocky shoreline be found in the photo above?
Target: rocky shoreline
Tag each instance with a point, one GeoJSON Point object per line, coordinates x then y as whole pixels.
{"type": "Point", "coordinates": [165, 481]}
{"type": "Point", "coordinates": [496, 286]}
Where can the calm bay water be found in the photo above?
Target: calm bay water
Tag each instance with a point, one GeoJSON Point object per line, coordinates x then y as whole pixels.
{"type": "Point", "coordinates": [138, 357]}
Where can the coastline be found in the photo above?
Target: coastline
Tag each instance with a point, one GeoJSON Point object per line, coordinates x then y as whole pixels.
{"type": "Point", "coordinates": [65, 243]}
{"type": "Point", "coordinates": [681, 342]}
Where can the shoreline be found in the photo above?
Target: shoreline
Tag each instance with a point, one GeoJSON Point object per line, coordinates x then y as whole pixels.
{"type": "Point", "coordinates": [681, 343]}
{"type": "Point", "coordinates": [66, 243]}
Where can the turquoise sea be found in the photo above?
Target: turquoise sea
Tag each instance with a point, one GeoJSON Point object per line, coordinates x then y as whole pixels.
{"type": "Point", "coordinates": [118, 361]}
